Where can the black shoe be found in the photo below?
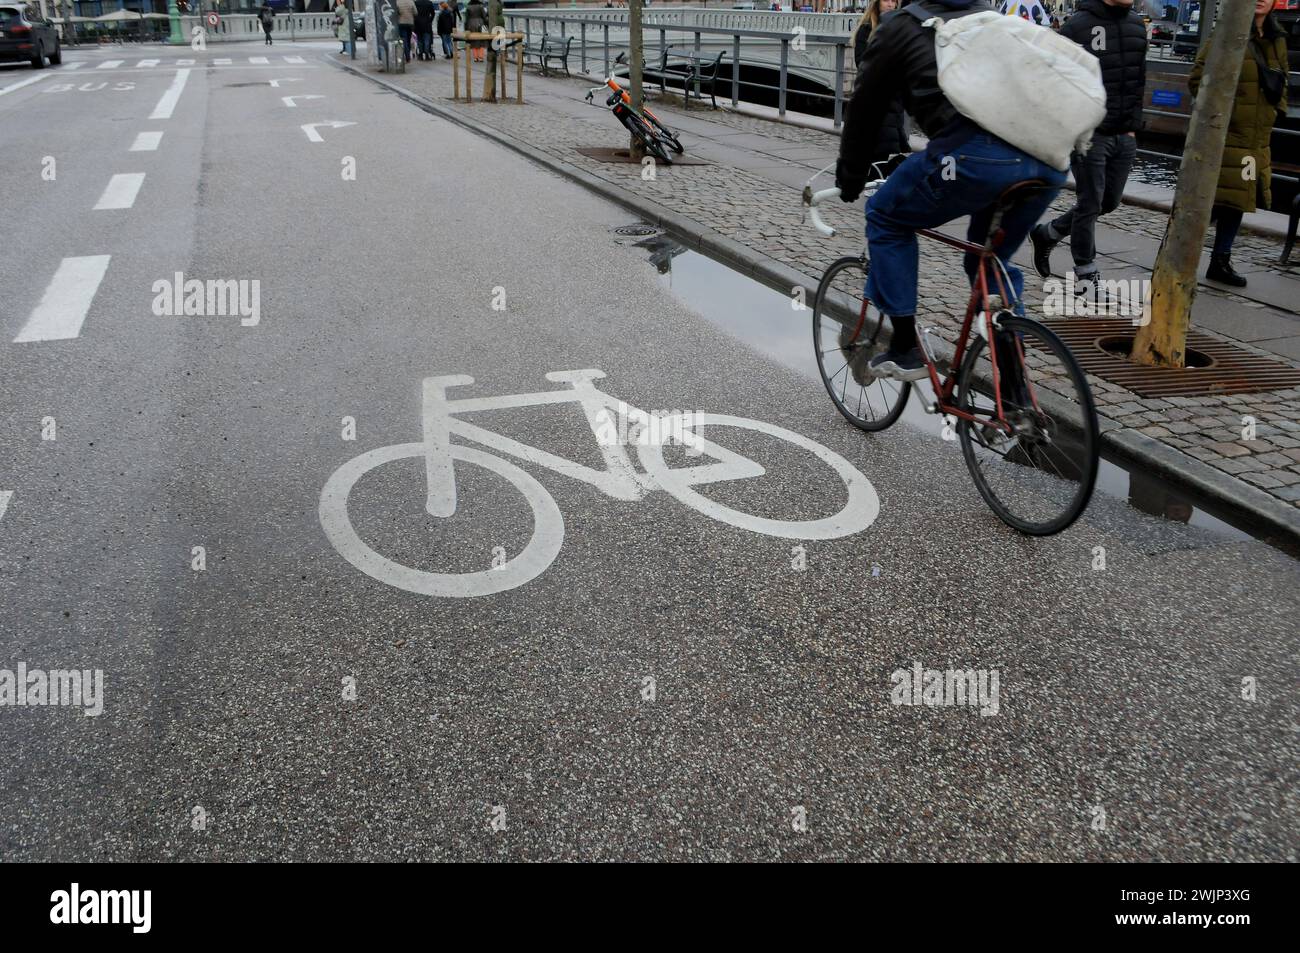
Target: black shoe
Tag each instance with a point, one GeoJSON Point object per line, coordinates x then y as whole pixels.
{"type": "Point", "coordinates": [900, 367]}
{"type": "Point", "coordinates": [1043, 245]}
{"type": "Point", "coordinates": [1220, 270]}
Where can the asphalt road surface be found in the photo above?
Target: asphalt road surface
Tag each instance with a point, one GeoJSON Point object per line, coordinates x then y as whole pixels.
{"type": "Point", "coordinates": [294, 673]}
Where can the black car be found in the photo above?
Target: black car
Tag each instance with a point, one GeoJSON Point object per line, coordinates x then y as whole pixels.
{"type": "Point", "coordinates": [26, 35]}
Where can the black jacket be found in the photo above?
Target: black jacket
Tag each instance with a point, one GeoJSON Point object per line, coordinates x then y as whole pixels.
{"type": "Point", "coordinates": [899, 65]}
{"type": "Point", "coordinates": [892, 138]}
{"type": "Point", "coordinates": [425, 11]}
{"type": "Point", "coordinates": [446, 22]}
{"type": "Point", "coordinates": [1121, 46]}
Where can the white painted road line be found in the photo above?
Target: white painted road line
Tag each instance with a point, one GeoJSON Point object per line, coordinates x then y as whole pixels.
{"type": "Point", "coordinates": [259, 60]}
{"type": "Point", "coordinates": [289, 100]}
{"type": "Point", "coordinates": [24, 82]}
{"type": "Point", "coordinates": [294, 59]}
{"type": "Point", "coordinates": [146, 142]}
{"type": "Point", "coordinates": [147, 63]}
{"type": "Point", "coordinates": [67, 298]}
{"type": "Point", "coordinates": [68, 66]}
{"type": "Point", "coordinates": [121, 191]}
{"type": "Point", "coordinates": [314, 136]}
{"type": "Point", "coordinates": [167, 105]}
{"type": "Point", "coordinates": [184, 62]}
{"type": "Point", "coordinates": [221, 61]}
{"type": "Point", "coordinates": [5, 496]}
{"type": "Point", "coordinates": [110, 64]}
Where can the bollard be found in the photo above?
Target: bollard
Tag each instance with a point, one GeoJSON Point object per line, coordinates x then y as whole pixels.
{"type": "Point", "coordinates": [396, 61]}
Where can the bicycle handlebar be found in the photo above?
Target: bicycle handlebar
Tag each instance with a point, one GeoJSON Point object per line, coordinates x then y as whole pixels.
{"type": "Point", "coordinates": [811, 200]}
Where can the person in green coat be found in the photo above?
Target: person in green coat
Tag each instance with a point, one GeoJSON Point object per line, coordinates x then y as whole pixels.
{"type": "Point", "coordinates": [341, 16]}
{"type": "Point", "coordinates": [1246, 172]}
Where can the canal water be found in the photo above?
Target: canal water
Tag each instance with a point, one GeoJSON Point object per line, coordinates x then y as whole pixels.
{"type": "Point", "coordinates": [762, 317]}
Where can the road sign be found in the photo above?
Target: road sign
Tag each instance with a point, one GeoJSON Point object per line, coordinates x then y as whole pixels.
{"type": "Point", "coordinates": [214, 19]}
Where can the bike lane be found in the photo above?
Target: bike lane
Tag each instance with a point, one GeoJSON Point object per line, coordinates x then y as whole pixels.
{"type": "Point", "coordinates": [670, 684]}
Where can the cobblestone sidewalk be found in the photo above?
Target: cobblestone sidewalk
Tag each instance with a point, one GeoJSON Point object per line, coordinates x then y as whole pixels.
{"type": "Point", "coordinates": [749, 193]}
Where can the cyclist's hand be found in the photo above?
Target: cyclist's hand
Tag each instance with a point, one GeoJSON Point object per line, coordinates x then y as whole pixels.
{"type": "Point", "coordinates": [849, 181]}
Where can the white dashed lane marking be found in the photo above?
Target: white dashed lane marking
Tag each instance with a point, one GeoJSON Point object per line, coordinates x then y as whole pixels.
{"type": "Point", "coordinates": [62, 309]}
{"type": "Point", "coordinates": [259, 60]}
{"type": "Point", "coordinates": [121, 191]}
{"type": "Point", "coordinates": [146, 141]}
{"type": "Point", "coordinates": [167, 104]}
{"type": "Point", "coordinates": [110, 64]}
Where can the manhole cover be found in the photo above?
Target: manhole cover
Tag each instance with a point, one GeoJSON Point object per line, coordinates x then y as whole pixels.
{"type": "Point", "coordinates": [1214, 366]}
{"type": "Point", "coordinates": [635, 231]}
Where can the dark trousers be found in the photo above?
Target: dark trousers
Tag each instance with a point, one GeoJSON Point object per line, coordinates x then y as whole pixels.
{"type": "Point", "coordinates": [1227, 221]}
{"type": "Point", "coordinates": [406, 30]}
{"type": "Point", "coordinates": [1099, 178]}
{"type": "Point", "coordinates": [426, 43]}
{"type": "Point", "coordinates": [267, 30]}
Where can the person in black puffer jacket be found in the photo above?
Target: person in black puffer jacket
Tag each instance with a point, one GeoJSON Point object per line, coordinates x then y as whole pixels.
{"type": "Point", "coordinates": [892, 140]}
{"type": "Point", "coordinates": [1118, 38]}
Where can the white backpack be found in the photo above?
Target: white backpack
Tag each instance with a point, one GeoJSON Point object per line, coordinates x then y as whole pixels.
{"type": "Point", "coordinates": [1020, 81]}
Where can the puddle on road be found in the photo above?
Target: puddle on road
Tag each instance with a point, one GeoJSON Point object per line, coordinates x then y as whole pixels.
{"type": "Point", "coordinates": [747, 309]}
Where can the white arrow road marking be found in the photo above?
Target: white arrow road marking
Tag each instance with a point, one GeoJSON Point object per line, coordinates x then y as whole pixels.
{"type": "Point", "coordinates": [146, 142]}
{"type": "Point", "coordinates": [314, 136]}
{"type": "Point", "coordinates": [24, 82]}
{"type": "Point", "coordinates": [167, 105]}
{"type": "Point", "coordinates": [259, 60]}
{"type": "Point", "coordinates": [294, 59]}
{"type": "Point", "coordinates": [276, 82]}
{"type": "Point", "coordinates": [62, 309]}
{"type": "Point", "coordinates": [4, 501]}
{"type": "Point", "coordinates": [121, 191]}
{"type": "Point", "coordinates": [289, 100]}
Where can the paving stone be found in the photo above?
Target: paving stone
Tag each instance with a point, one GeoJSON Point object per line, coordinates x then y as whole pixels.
{"type": "Point", "coordinates": [1262, 480]}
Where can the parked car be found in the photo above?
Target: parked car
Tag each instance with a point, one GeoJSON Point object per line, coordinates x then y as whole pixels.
{"type": "Point", "coordinates": [1162, 33]}
{"type": "Point", "coordinates": [26, 35]}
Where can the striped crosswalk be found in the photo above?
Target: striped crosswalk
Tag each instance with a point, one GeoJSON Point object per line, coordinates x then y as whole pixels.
{"type": "Point", "coordinates": [159, 63]}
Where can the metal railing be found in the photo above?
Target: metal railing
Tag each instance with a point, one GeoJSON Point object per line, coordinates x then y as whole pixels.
{"type": "Point", "coordinates": [808, 46]}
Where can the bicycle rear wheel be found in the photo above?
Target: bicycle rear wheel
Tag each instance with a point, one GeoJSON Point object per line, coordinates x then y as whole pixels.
{"type": "Point", "coordinates": [646, 134]}
{"type": "Point", "coordinates": [1039, 476]}
{"type": "Point", "coordinates": [666, 136]}
{"type": "Point", "coordinates": [843, 350]}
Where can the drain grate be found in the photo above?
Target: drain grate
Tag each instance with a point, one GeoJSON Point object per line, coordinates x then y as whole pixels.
{"type": "Point", "coordinates": [635, 231]}
{"type": "Point", "coordinates": [1101, 343]}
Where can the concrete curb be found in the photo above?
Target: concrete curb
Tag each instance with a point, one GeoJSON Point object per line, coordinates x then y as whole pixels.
{"type": "Point", "coordinates": [1246, 503]}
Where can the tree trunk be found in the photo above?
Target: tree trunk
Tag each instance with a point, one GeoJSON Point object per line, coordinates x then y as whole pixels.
{"type": "Point", "coordinates": [1162, 340]}
{"type": "Point", "coordinates": [636, 61]}
{"type": "Point", "coordinates": [495, 19]}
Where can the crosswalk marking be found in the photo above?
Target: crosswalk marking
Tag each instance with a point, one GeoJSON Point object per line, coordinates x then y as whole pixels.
{"type": "Point", "coordinates": [110, 64]}
{"type": "Point", "coordinates": [259, 60]}
{"type": "Point", "coordinates": [62, 309]}
{"type": "Point", "coordinates": [146, 142]}
{"type": "Point", "coordinates": [184, 62]}
{"type": "Point", "coordinates": [147, 63]}
{"type": "Point", "coordinates": [120, 191]}
{"type": "Point", "coordinates": [294, 59]}
{"type": "Point", "coordinates": [68, 66]}
{"type": "Point", "coordinates": [221, 61]}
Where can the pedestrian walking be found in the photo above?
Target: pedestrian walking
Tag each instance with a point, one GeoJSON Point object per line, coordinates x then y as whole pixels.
{"type": "Point", "coordinates": [1116, 35]}
{"type": "Point", "coordinates": [1246, 171]}
{"type": "Point", "coordinates": [425, 12]}
{"type": "Point", "coordinates": [892, 139]}
{"type": "Point", "coordinates": [476, 22]}
{"type": "Point", "coordinates": [446, 26]}
{"type": "Point", "coordinates": [267, 16]}
{"type": "Point", "coordinates": [406, 25]}
{"type": "Point", "coordinates": [341, 25]}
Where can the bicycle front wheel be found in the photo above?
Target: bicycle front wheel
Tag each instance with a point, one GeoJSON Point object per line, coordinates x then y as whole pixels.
{"type": "Point", "coordinates": [1037, 471]}
{"type": "Point", "coordinates": [844, 349]}
{"type": "Point", "coordinates": [649, 141]}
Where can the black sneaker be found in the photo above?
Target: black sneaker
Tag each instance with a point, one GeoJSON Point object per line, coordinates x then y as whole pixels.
{"type": "Point", "coordinates": [1043, 245]}
{"type": "Point", "coordinates": [899, 367]}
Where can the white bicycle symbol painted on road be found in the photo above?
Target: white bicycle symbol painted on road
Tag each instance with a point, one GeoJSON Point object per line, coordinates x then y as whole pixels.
{"type": "Point", "coordinates": [619, 480]}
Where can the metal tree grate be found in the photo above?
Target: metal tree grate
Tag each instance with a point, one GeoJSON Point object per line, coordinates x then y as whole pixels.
{"type": "Point", "coordinates": [1227, 369]}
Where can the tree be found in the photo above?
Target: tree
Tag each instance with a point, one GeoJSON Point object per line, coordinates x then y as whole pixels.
{"type": "Point", "coordinates": [1162, 341]}
{"type": "Point", "coordinates": [495, 19]}
{"type": "Point", "coordinates": [636, 61]}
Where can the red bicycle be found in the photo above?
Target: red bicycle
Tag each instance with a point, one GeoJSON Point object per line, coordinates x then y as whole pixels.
{"type": "Point", "coordinates": [1017, 399]}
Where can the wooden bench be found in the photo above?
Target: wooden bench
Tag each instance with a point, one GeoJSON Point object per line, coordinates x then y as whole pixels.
{"type": "Point", "coordinates": [700, 68]}
{"type": "Point", "coordinates": [551, 49]}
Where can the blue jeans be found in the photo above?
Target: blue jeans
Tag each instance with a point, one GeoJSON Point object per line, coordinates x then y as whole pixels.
{"type": "Point", "coordinates": [407, 31]}
{"type": "Point", "coordinates": [932, 188]}
{"type": "Point", "coordinates": [446, 44]}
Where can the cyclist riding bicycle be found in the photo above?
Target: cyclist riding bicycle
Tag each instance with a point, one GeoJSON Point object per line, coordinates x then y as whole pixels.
{"type": "Point", "coordinates": [963, 171]}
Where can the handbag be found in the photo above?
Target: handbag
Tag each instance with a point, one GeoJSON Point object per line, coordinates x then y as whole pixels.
{"type": "Point", "coordinates": [1271, 81]}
